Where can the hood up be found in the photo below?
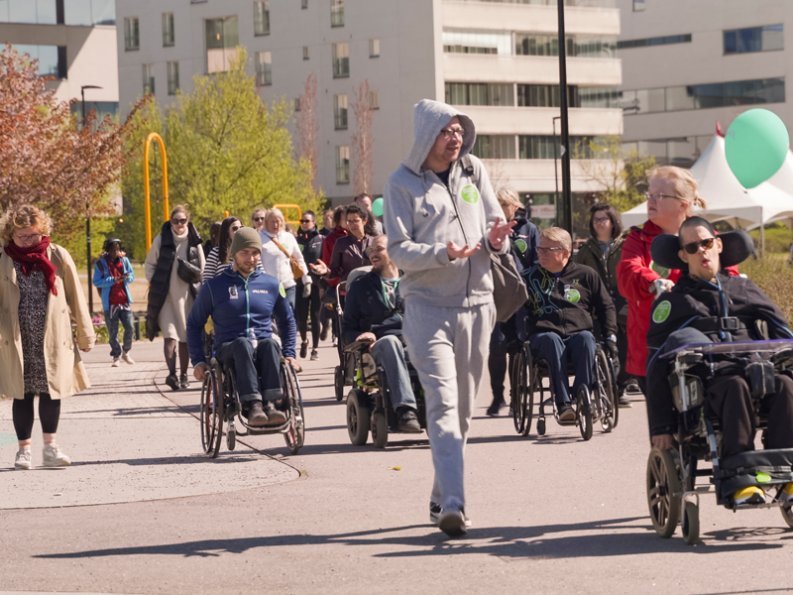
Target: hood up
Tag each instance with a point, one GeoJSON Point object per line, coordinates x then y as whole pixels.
{"type": "Point", "coordinates": [429, 117]}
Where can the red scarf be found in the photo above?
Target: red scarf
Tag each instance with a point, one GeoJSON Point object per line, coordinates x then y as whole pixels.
{"type": "Point", "coordinates": [34, 258]}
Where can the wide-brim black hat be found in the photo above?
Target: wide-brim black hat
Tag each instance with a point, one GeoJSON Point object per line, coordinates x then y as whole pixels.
{"type": "Point", "coordinates": [737, 247]}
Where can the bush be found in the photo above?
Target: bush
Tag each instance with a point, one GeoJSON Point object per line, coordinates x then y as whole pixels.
{"type": "Point", "coordinates": [772, 274]}
{"type": "Point", "coordinates": [777, 238]}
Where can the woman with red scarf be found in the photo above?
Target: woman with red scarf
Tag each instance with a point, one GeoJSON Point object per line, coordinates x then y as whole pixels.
{"type": "Point", "coordinates": [38, 286]}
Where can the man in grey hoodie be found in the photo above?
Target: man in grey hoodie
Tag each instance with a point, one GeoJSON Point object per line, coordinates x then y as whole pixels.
{"type": "Point", "coordinates": [442, 218]}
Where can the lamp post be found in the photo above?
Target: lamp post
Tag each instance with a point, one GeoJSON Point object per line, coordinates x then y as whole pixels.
{"type": "Point", "coordinates": [555, 165]}
{"type": "Point", "coordinates": [567, 197]}
{"type": "Point", "coordinates": [87, 210]}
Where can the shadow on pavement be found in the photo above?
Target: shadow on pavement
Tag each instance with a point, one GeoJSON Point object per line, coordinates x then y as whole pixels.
{"type": "Point", "coordinates": [179, 460]}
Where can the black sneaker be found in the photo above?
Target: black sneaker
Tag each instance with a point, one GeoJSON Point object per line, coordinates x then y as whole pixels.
{"type": "Point", "coordinates": [408, 421]}
{"type": "Point", "coordinates": [323, 333]}
{"type": "Point", "coordinates": [303, 349]}
{"type": "Point", "coordinates": [184, 384]}
{"type": "Point", "coordinates": [495, 407]}
{"type": "Point", "coordinates": [435, 514]}
{"type": "Point", "coordinates": [172, 381]}
{"type": "Point", "coordinates": [566, 414]}
{"type": "Point", "coordinates": [452, 522]}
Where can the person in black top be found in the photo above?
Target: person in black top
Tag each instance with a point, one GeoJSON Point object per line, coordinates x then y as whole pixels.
{"type": "Point", "coordinates": [310, 242]}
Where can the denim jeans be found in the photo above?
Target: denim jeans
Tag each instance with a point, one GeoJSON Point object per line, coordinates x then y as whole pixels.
{"type": "Point", "coordinates": [257, 372]}
{"type": "Point", "coordinates": [389, 353]}
{"type": "Point", "coordinates": [558, 351]}
{"type": "Point", "coordinates": [125, 316]}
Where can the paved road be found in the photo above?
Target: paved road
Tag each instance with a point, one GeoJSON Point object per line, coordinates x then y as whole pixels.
{"type": "Point", "coordinates": [143, 511]}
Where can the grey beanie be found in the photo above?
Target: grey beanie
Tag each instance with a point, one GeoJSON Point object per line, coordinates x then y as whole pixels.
{"type": "Point", "coordinates": [246, 237]}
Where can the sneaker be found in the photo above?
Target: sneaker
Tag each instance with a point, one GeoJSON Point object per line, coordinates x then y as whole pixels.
{"type": "Point", "coordinates": [127, 359]}
{"type": "Point", "coordinates": [452, 522]}
{"type": "Point", "coordinates": [408, 421]}
{"type": "Point", "coordinates": [172, 381]}
{"type": "Point", "coordinates": [787, 493]}
{"type": "Point", "coordinates": [323, 333]}
{"type": "Point", "coordinates": [184, 384]}
{"type": "Point", "coordinates": [256, 415]}
{"type": "Point", "coordinates": [495, 407]}
{"type": "Point", "coordinates": [275, 417]}
{"type": "Point", "coordinates": [623, 402]}
{"type": "Point", "coordinates": [566, 413]}
{"type": "Point", "coordinates": [54, 457]}
{"type": "Point", "coordinates": [23, 460]}
{"type": "Point", "coordinates": [314, 355]}
{"type": "Point", "coordinates": [435, 514]}
{"type": "Point", "coordinates": [303, 349]}
{"type": "Point", "coordinates": [632, 387]}
{"type": "Point", "coordinates": [748, 495]}
{"type": "Point", "coordinates": [115, 363]}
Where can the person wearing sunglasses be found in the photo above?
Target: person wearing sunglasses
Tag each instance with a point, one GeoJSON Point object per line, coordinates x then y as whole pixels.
{"type": "Point", "coordinates": [697, 310]}
{"type": "Point", "coordinates": [173, 269]}
{"type": "Point", "coordinates": [258, 218]}
{"type": "Point", "coordinates": [310, 242]}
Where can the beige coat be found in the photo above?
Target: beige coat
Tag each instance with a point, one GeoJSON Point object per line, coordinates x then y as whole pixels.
{"type": "Point", "coordinates": [65, 372]}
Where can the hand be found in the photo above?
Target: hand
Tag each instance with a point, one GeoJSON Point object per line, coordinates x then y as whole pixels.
{"type": "Point", "coordinates": [294, 363]}
{"type": "Point", "coordinates": [454, 251]}
{"type": "Point", "coordinates": [306, 290]}
{"type": "Point", "coordinates": [319, 268]}
{"type": "Point", "coordinates": [200, 371]}
{"type": "Point", "coordinates": [498, 233]}
{"type": "Point", "coordinates": [612, 347]}
{"type": "Point", "coordinates": [659, 286]}
{"type": "Point", "coordinates": [663, 441]}
{"type": "Point", "coordinates": [368, 337]}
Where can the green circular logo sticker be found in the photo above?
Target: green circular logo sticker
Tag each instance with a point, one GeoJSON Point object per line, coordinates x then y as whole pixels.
{"type": "Point", "coordinates": [761, 477]}
{"type": "Point", "coordinates": [521, 245]}
{"type": "Point", "coordinates": [470, 194]}
{"type": "Point", "coordinates": [281, 290]}
{"type": "Point", "coordinates": [572, 295]}
{"type": "Point", "coordinates": [661, 270]}
{"type": "Point", "coordinates": [662, 311]}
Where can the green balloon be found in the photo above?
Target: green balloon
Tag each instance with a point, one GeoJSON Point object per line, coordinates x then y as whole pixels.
{"type": "Point", "coordinates": [377, 207]}
{"type": "Point", "coordinates": [756, 145]}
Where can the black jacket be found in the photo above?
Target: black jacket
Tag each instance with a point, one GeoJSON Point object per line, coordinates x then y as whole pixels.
{"type": "Point", "coordinates": [366, 311]}
{"type": "Point", "coordinates": [564, 303]}
{"type": "Point", "coordinates": [523, 242]}
{"type": "Point", "coordinates": [311, 246]}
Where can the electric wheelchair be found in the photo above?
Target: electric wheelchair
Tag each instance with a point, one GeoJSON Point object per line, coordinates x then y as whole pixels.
{"type": "Point", "coordinates": [590, 404]}
{"type": "Point", "coordinates": [220, 404]}
{"type": "Point", "coordinates": [672, 475]}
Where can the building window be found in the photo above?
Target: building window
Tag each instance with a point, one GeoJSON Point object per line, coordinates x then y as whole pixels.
{"type": "Point", "coordinates": [131, 34]}
{"type": "Point", "coordinates": [168, 37]}
{"type": "Point", "coordinates": [41, 12]}
{"type": "Point", "coordinates": [340, 112]}
{"type": "Point", "coordinates": [222, 38]}
{"type": "Point", "coordinates": [305, 52]}
{"type": "Point", "coordinates": [148, 79]}
{"type": "Point", "coordinates": [51, 59]}
{"type": "Point", "coordinates": [261, 17]}
{"type": "Point", "coordinates": [303, 4]}
{"type": "Point", "coordinates": [639, 5]}
{"type": "Point", "coordinates": [477, 42]}
{"type": "Point", "coordinates": [480, 94]}
{"type": "Point", "coordinates": [341, 60]}
{"type": "Point", "coordinates": [754, 39]}
{"type": "Point", "coordinates": [494, 146]}
{"type": "Point", "coordinates": [374, 47]}
{"type": "Point", "coordinates": [627, 44]}
{"type": "Point", "coordinates": [298, 104]}
{"type": "Point", "coordinates": [343, 165]}
{"type": "Point", "coordinates": [374, 100]}
{"type": "Point", "coordinates": [173, 78]}
{"type": "Point", "coordinates": [264, 69]}
{"type": "Point", "coordinates": [578, 46]}
{"type": "Point", "coordinates": [336, 13]}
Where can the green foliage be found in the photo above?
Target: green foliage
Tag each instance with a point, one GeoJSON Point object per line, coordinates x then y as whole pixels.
{"type": "Point", "coordinates": [227, 151]}
{"type": "Point", "coordinates": [772, 274]}
{"type": "Point", "coordinates": [778, 238]}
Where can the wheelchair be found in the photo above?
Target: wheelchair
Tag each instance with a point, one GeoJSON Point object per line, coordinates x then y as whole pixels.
{"type": "Point", "coordinates": [671, 476]}
{"type": "Point", "coordinates": [590, 404]}
{"type": "Point", "coordinates": [220, 404]}
{"type": "Point", "coordinates": [369, 402]}
{"type": "Point", "coordinates": [344, 373]}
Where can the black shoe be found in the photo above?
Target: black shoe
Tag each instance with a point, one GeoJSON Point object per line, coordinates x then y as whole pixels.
{"type": "Point", "coordinates": [632, 387]}
{"type": "Point", "coordinates": [452, 522]}
{"type": "Point", "coordinates": [408, 421]}
{"type": "Point", "coordinates": [495, 407]}
{"type": "Point", "coordinates": [566, 414]}
{"type": "Point", "coordinates": [304, 349]}
{"type": "Point", "coordinates": [172, 381]}
{"type": "Point", "coordinates": [183, 383]}
{"type": "Point", "coordinates": [275, 417]}
{"type": "Point", "coordinates": [323, 333]}
{"type": "Point", "coordinates": [256, 415]}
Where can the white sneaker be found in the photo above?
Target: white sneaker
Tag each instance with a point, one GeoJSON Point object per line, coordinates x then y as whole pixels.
{"type": "Point", "coordinates": [54, 457]}
{"type": "Point", "coordinates": [23, 460]}
{"type": "Point", "coordinates": [115, 362]}
{"type": "Point", "coordinates": [127, 359]}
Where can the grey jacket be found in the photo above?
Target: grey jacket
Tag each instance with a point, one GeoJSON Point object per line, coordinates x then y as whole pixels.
{"type": "Point", "coordinates": [421, 215]}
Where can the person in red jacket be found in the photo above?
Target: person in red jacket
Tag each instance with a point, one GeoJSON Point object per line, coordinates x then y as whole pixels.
{"type": "Point", "coordinates": [671, 197]}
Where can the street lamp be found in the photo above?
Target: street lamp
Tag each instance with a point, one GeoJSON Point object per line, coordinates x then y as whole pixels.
{"type": "Point", "coordinates": [567, 197]}
{"type": "Point", "coordinates": [555, 158]}
{"type": "Point", "coordinates": [87, 210]}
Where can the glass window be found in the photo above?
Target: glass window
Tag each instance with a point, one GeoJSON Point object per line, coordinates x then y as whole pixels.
{"type": "Point", "coordinates": [168, 38]}
{"type": "Point", "coordinates": [340, 112]}
{"type": "Point", "coordinates": [336, 13]}
{"type": "Point", "coordinates": [537, 147]}
{"type": "Point", "coordinates": [343, 165]}
{"type": "Point", "coordinates": [78, 12]}
{"type": "Point", "coordinates": [28, 11]}
{"type": "Point", "coordinates": [477, 42]}
{"type": "Point", "coordinates": [148, 79]}
{"type": "Point", "coordinates": [374, 100]}
{"type": "Point", "coordinates": [678, 98]}
{"type": "Point", "coordinates": [754, 39]}
{"type": "Point", "coordinates": [264, 69]}
{"type": "Point", "coordinates": [222, 39]}
{"type": "Point", "coordinates": [341, 60]}
{"type": "Point", "coordinates": [298, 104]}
{"type": "Point", "coordinates": [173, 78]}
{"type": "Point", "coordinates": [131, 34]}
{"type": "Point", "coordinates": [374, 48]}
{"type": "Point", "coordinates": [480, 94]}
{"type": "Point", "coordinates": [51, 59]}
{"type": "Point", "coordinates": [651, 100]}
{"type": "Point", "coordinates": [626, 44]}
{"type": "Point", "coordinates": [306, 54]}
{"type": "Point", "coordinates": [303, 4]}
{"type": "Point", "coordinates": [103, 12]}
{"type": "Point", "coordinates": [261, 17]}
{"type": "Point", "coordinates": [494, 146]}
{"type": "Point", "coordinates": [639, 5]}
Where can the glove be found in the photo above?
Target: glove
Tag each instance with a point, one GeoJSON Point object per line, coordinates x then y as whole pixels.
{"type": "Point", "coordinates": [611, 345]}
{"type": "Point", "coordinates": [306, 290]}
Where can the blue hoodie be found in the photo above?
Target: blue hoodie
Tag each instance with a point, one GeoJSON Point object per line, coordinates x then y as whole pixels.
{"type": "Point", "coordinates": [104, 281]}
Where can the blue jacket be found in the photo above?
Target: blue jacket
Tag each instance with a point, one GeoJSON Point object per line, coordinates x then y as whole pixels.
{"type": "Point", "coordinates": [104, 281]}
{"type": "Point", "coordinates": [237, 304]}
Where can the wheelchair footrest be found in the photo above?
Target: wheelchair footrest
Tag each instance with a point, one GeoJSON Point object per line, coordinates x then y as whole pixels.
{"type": "Point", "coordinates": [761, 468]}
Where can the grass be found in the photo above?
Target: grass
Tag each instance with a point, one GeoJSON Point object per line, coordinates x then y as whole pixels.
{"type": "Point", "coordinates": [773, 275]}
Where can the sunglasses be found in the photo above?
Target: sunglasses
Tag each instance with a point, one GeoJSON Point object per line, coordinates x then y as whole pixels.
{"type": "Point", "coordinates": [546, 250]}
{"type": "Point", "coordinates": [693, 247]}
{"type": "Point", "coordinates": [234, 227]}
{"type": "Point", "coordinates": [179, 221]}
{"type": "Point", "coordinates": [258, 218]}
{"type": "Point", "coordinates": [306, 221]}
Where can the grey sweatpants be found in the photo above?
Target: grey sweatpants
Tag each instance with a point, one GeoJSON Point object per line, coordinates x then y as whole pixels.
{"type": "Point", "coordinates": [448, 347]}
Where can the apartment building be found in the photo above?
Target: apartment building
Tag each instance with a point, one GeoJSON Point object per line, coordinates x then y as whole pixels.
{"type": "Point", "coordinates": [688, 66]}
{"type": "Point", "coordinates": [74, 42]}
{"type": "Point", "coordinates": [495, 59]}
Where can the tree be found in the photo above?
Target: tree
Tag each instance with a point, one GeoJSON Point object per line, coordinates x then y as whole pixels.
{"type": "Point", "coordinates": [362, 141]}
{"type": "Point", "coordinates": [307, 127]}
{"type": "Point", "coordinates": [46, 158]}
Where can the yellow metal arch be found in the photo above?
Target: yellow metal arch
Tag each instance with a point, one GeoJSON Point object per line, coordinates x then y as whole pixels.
{"type": "Point", "coordinates": [153, 136]}
{"type": "Point", "coordinates": [292, 213]}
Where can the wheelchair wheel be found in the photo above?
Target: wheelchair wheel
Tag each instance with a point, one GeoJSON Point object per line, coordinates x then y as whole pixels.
{"type": "Point", "coordinates": [379, 429]}
{"type": "Point", "coordinates": [606, 401]}
{"type": "Point", "coordinates": [583, 412]}
{"type": "Point", "coordinates": [787, 514]}
{"type": "Point", "coordinates": [690, 523]}
{"type": "Point", "coordinates": [231, 438]}
{"type": "Point", "coordinates": [211, 414]}
{"type": "Point", "coordinates": [296, 432]}
{"type": "Point", "coordinates": [541, 427]}
{"type": "Point", "coordinates": [663, 491]}
{"type": "Point", "coordinates": [358, 418]}
{"type": "Point", "coordinates": [338, 383]}
{"type": "Point", "coordinates": [522, 395]}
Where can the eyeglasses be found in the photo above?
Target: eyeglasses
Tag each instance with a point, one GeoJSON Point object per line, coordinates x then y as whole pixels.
{"type": "Point", "coordinates": [448, 133]}
{"type": "Point", "coordinates": [306, 221]}
{"type": "Point", "coordinates": [33, 237]}
{"type": "Point", "coordinates": [693, 247]}
{"type": "Point", "coordinates": [546, 249]}
{"type": "Point", "coordinates": [600, 219]}
{"type": "Point", "coordinates": [258, 218]}
{"type": "Point", "coordinates": [181, 221]}
{"type": "Point", "coordinates": [235, 227]}
{"type": "Point", "coordinates": [658, 195]}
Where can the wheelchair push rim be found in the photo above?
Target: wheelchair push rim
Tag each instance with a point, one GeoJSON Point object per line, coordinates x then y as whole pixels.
{"type": "Point", "coordinates": [295, 432]}
{"type": "Point", "coordinates": [211, 414]}
{"type": "Point", "coordinates": [522, 394]}
{"type": "Point", "coordinates": [606, 401]}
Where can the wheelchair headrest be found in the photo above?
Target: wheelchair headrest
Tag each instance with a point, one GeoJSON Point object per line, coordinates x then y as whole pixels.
{"type": "Point", "coordinates": [357, 273]}
{"type": "Point", "coordinates": [737, 247]}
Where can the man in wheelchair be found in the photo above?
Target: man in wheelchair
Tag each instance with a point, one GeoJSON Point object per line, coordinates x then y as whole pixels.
{"type": "Point", "coordinates": [565, 298]}
{"type": "Point", "coordinates": [242, 302]}
{"type": "Point", "coordinates": [706, 305]}
{"type": "Point", "coordinates": [373, 314]}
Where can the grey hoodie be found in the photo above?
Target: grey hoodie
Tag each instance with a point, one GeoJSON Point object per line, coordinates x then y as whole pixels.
{"type": "Point", "coordinates": [421, 215]}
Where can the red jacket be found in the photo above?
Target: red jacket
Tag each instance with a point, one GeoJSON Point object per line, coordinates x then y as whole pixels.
{"type": "Point", "coordinates": [327, 249]}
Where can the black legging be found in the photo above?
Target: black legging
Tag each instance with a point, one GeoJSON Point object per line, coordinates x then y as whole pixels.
{"type": "Point", "coordinates": [169, 349]}
{"type": "Point", "coordinates": [304, 307]}
{"type": "Point", "coordinates": [22, 413]}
